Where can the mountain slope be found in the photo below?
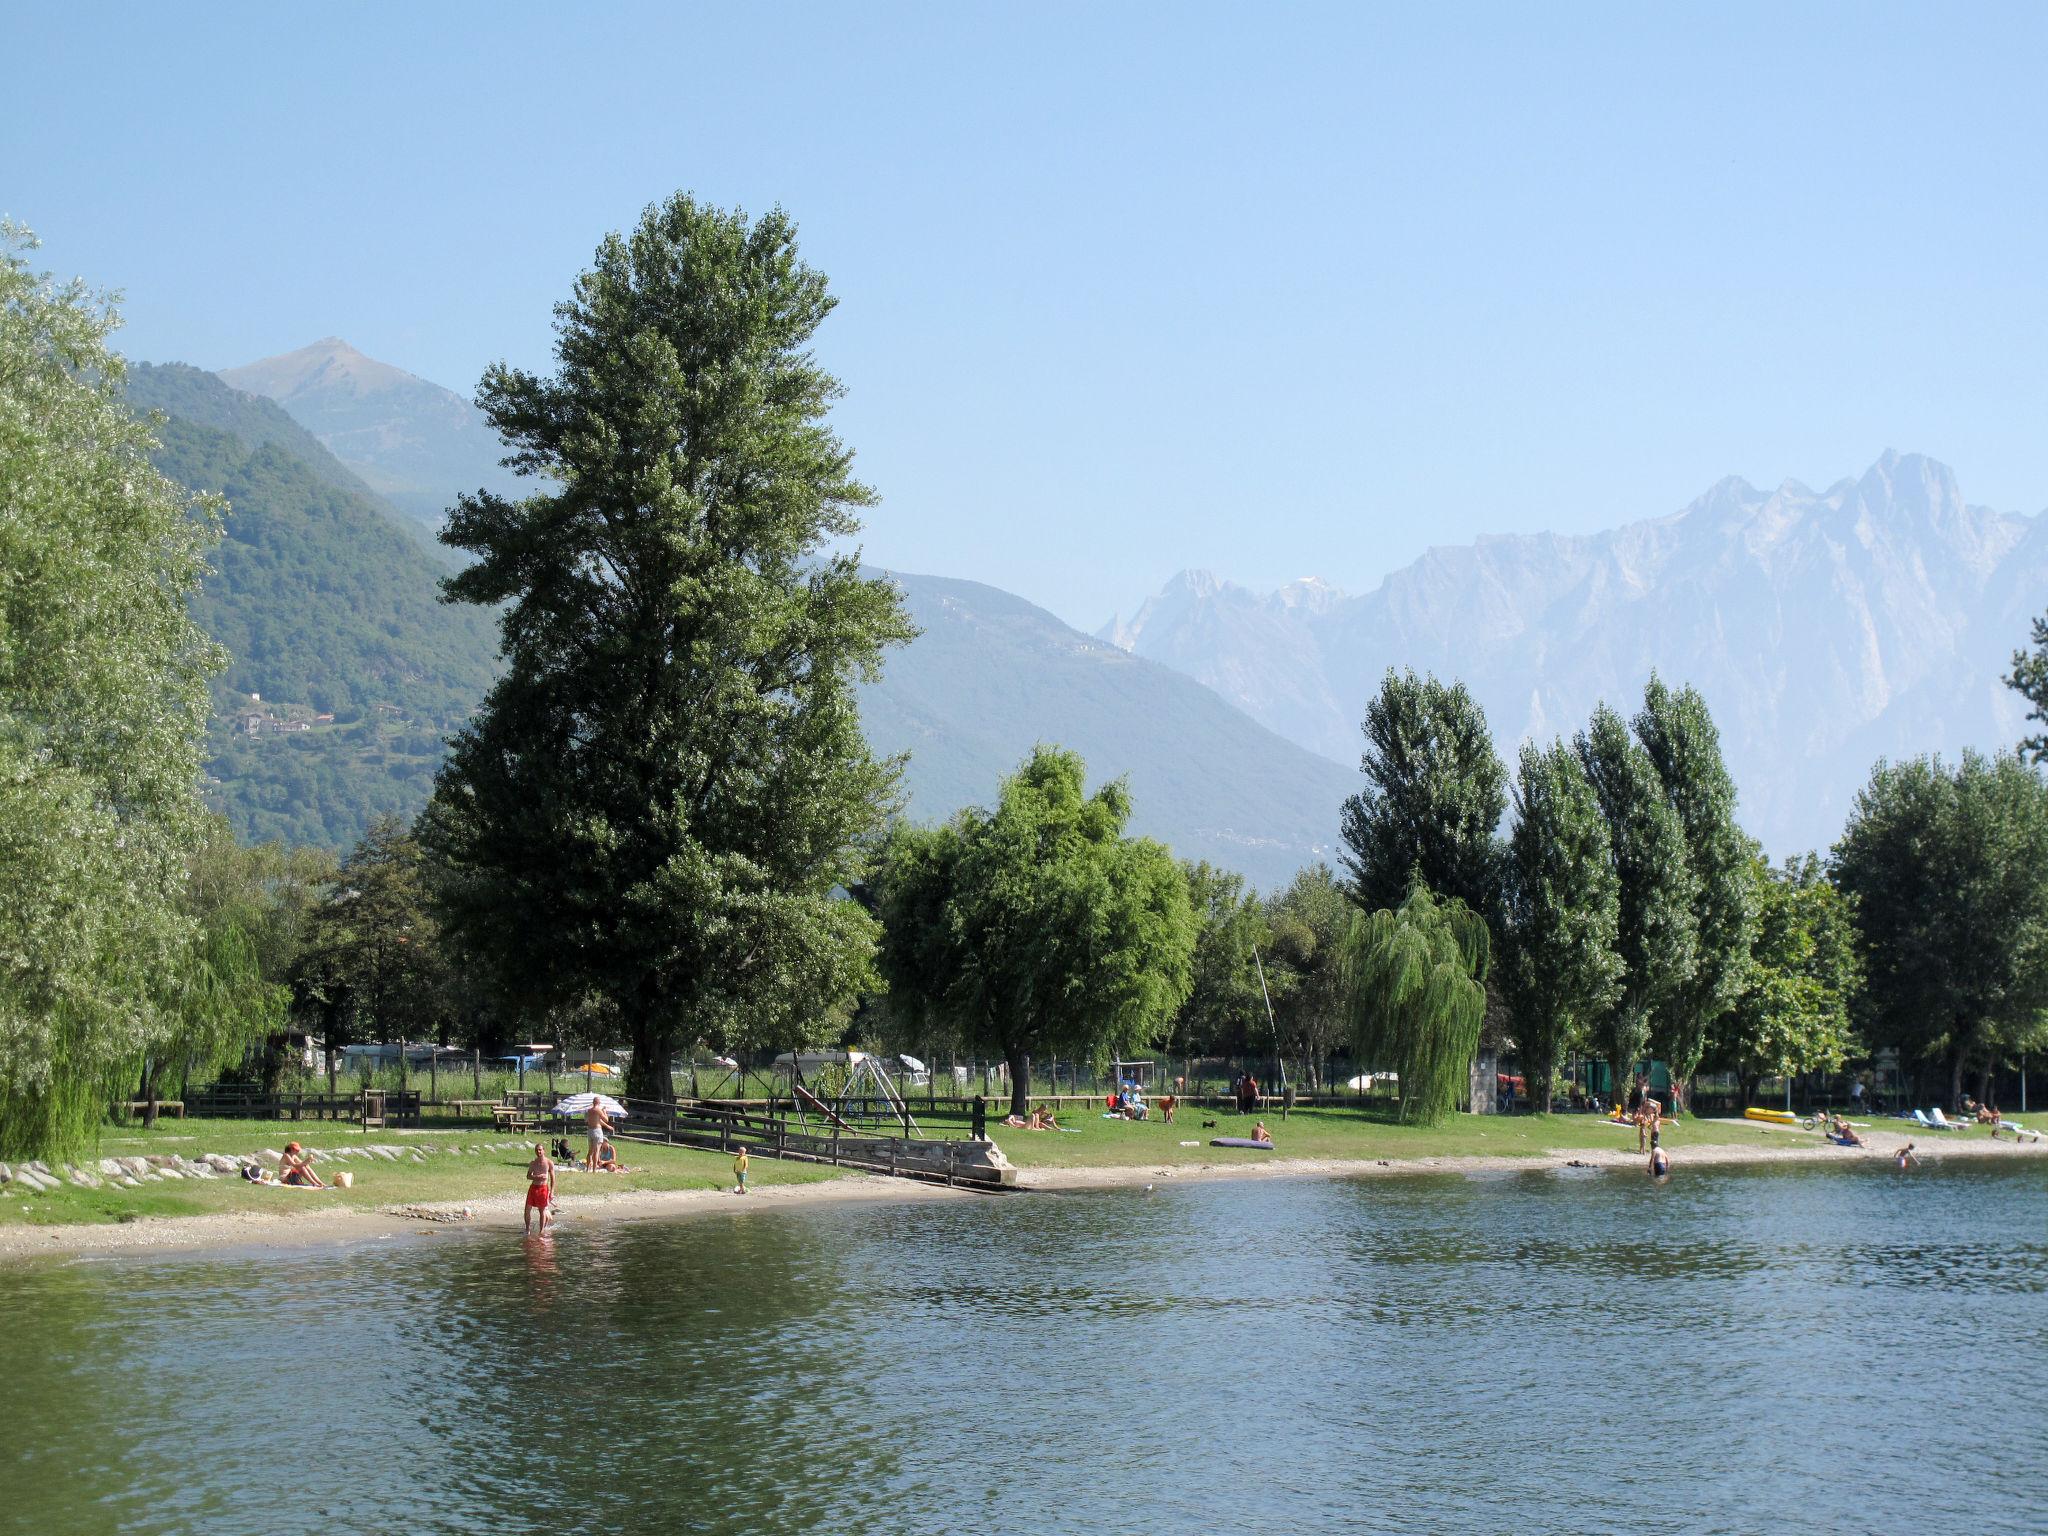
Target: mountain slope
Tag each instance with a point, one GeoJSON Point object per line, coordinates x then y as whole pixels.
{"type": "Point", "coordinates": [328, 608]}
{"type": "Point", "coordinates": [1824, 628]}
{"type": "Point", "coordinates": [991, 675]}
{"type": "Point", "coordinates": [416, 444]}
{"type": "Point", "coordinates": [203, 399]}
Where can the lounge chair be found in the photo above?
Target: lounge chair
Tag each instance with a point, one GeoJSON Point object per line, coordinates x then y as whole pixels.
{"type": "Point", "coordinates": [1942, 1122]}
{"type": "Point", "coordinates": [1921, 1122]}
{"type": "Point", "coordinates": [2019, 1132]}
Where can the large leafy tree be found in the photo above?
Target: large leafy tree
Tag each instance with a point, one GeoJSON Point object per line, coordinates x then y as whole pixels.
{"type": "Point", "coordinates": [373, 958]}
{"type": "Point", "coordinates": [1792, 1013]}
{"type": "Point", "coordinates": [1678, 733]}
{"type": "Point", "coordinates": [1656, 935]}
{"type": "Point", "coordinates": [1225, 1010]}
{"type": "Point", "coordinates": [660, 803]}
{"type": "Point", "coordinates": [1039, 927]}
{"type": "Point", "coordinates": [1419, 998]}
{"type": "Point", "coordinates": [1311, 922]}
{"type": "Point", "coordinates": [102, 704]}
{"type": "Point", "coordinates": [1561, 968]}
{"type": "Point", "coordinates": [1433, 800]}
{"type": "Point", "coordinates": [1949, 873]}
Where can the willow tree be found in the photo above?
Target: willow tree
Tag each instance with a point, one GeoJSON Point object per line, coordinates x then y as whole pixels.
{"type": "Point", "coordinates": [660, 805]}
{"type": "Point", "coordinates": [102, 708]}
{"type": "Point", "coordinates": [1418, 998]}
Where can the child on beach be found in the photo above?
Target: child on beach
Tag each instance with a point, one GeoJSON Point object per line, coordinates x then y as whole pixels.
{"type": "Point", "coordinates": [540, 1188]}
{"type": "Point", "coordinates": [1906, 1158]}
{"type": "Point", "coordinates": [739, 1171]}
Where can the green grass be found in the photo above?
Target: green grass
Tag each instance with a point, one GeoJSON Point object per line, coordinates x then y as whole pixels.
{"type": "Point", "coordinates": [442, 1177]}
{"type": "Point", "coordinates": [1360, 1134]}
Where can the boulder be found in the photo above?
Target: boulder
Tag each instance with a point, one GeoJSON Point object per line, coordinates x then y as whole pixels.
{"type": "Point", "coordinates": [41, 1167]}
{"type": "Point", "coordinates": [220, 1163]}
{"type": "Point", "coordinates": [6, 1174]}
{"type": "Point", "coordinates": [33, 1180]}
{"type": "Point", "coordinates": [169, 1173]}
{"type": "Point", "coordinates": [111, 1167]}
{"type": "Point", "coordinates": [271, 1156]}
{"type": "Point", "coordinates": [81, 1177]}
{"type": "Point", "coordinates": [136, 1166]}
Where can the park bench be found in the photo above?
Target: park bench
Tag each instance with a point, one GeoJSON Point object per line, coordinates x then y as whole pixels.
{"type": "Point", "coordinates": [512, 1117]}
{"type": "Point", "coordinates": [163, 1107]}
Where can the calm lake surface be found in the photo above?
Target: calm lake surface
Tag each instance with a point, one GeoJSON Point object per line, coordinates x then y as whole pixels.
{"type": "Point", "coordinates": [1848, 1351]}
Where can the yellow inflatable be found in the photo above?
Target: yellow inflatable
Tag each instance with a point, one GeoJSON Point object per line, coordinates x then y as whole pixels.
{"type": "Point", "coordinates": [1775, 1116]}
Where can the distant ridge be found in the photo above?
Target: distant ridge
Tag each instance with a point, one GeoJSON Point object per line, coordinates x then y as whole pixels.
{"type": "Point", "coordinates": [1825, 629]}
{"type": "Point", "coordinates": [414, 442]}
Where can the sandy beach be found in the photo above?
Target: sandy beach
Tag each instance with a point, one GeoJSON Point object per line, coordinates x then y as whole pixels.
{"type": "Point", "coordinates": [309, 1226]}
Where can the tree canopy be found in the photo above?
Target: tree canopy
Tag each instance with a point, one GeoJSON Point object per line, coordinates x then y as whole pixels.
{"type": "Point", "coordinates": [1679, 735]}
{"type": "Point", "coordinates": [1948, 869]}
{"type": "Point", "coordinates": [1656, 935]}
{"type": "Point", "coordinates": [1793, 1012]}
{"type": "Point", "coordinates": [663, 798]}
{"type": "Point", "coordinates": [1433, 800]}
{"type": "Point", "coordinates": [102, 705]}
{"type": "Point", "coordinates": [1039, 927]}
{"type": "Point", "coordinates": [1561, 968]}
{"type": "Point", "coordinates": [1419, 998]}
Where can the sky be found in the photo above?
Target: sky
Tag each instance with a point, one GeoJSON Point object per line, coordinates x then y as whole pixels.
{"type": "Point", "coordinates": [1271, 290]}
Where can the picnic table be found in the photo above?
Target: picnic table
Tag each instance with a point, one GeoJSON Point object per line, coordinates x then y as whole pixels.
{"type": "Point", "coordinates": [513, 1117]}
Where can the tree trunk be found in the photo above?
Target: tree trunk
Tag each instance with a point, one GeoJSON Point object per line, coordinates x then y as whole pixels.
{"type": "Point", "coordinates": [1984, 1086]}
{"type": "Point", "coordinates": [1955, 1082]}
{"type": "Point", "coordinates": [647, 1074]}
{"type": "Point", "coordinates": [1748, 1088]}
{"type": "Point", "coordinates": [1019, 1063]}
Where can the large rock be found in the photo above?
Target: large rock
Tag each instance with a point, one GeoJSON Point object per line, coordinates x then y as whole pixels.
{"type": "Point", "coordinates": [111, 1167]}
{"type": "Point", "coordinates": [81, 1177]}
{"type": "Point", "coordinates": [6, 1174]}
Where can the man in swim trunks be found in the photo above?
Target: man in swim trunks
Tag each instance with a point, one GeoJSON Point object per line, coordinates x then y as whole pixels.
{"type": "Point", "coordinates": [1660, 1164]}
{"type": "Point", "coordinates": [596, 1122]}
{"type": "Point", "coordinates": [1261, 1135]}
{"type": "Point", "coordinates": [540, 1187]}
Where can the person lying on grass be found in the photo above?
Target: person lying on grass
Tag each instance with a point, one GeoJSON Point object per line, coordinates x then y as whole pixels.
{"type": "Point", "coordinates": [297, 1168]}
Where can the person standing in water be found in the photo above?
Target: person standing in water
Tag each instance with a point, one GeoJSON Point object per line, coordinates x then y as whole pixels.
{"type": "Point", "coordinates": [1660, 1163]}
{"type": "Point", "coordinates": [1906, 1158]}
{"type": "Point", "coordinates": [540, 1188]}
{"type": "Point", "coordinates": [739, 1171]}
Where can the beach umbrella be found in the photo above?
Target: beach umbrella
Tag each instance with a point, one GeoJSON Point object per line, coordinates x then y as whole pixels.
{"type": "Point", "coordinates": [577, 1103]}
{"type": "Point", "coordinates": [911, 1063]}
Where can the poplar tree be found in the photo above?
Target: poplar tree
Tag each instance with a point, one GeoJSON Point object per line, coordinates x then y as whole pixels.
{"type": "Point", "coordinates": [1433, 800]}
{"type": "Point", "coordinates": [1657, 936]}
{"type": "Point", "coordinates": [102, 706]}
{"type": "Point", "coordinates": [659, 806]}
{"type": "Point", "coordinates": [1561, 971]}
{"type": "Point", "coordinates": [1678, 733]}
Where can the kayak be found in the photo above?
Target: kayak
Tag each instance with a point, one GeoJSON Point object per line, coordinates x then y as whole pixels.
{"type": "Point", "coordinates": [1240, 1141]}
{"type": "Point", "coordinates": [1775, 1116]}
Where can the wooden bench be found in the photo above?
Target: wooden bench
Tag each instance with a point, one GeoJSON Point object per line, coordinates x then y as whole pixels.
{"type": "Point", "coordinates": [513, 1117]}
{"type": "Point", "coordinates": [470, 1106]}
{"type": "Point", "coordinates": [163, 1107]}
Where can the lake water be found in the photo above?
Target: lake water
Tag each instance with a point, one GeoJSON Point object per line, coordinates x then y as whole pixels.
{"type": "Point", "coordinates": [1848, 1351]}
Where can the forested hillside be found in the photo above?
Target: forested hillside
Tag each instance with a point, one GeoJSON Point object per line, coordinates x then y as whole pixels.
{"type": "Point", "coordinates": [330, 613]}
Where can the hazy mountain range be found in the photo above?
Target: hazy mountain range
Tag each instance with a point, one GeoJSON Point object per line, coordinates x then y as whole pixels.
{"type": "Point", "coordinates": [348, 675]}
{"type": "Point", "coordinates": [414, 443]}
{"type": "Point", "coordinates": [1825, 628]}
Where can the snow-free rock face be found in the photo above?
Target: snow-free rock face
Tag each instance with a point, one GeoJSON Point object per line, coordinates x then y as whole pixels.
{"type": "Point", "coordinates": [1825, 629]}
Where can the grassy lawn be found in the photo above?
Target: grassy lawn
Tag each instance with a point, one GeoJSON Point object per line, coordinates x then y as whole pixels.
{"type": "Point", "coordinates": [472, 1172]}
{"type": "Point", "coordinates": [1323, 1133]}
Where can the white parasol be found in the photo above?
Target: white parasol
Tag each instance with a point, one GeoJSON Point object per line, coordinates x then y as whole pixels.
{"type": "Point", "coordinates": [577, 1103]}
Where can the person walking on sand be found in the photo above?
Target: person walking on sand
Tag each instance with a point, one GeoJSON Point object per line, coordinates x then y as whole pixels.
{"type": "Point", "coordinates": [739, 1171]}
{"type": "Point", "coordinates": [540, 1188]}
{"type": "Point", "coordinates": [1649, 1117]}
{"type": "Point", "coordinates": [596, 1122]}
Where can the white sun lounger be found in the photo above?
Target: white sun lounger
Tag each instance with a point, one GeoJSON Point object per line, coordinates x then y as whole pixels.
{"type": "Point", "coordinates": [2019, 1132]}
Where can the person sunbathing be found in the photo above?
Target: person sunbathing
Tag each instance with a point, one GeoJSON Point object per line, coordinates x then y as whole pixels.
{"type": "Point", "coordinates": [1987, 1115]}
{"type": "Point", "coordinates": [1845, 1133]}
{"type": "Point", "coordinates": [297, 1168]}
{"type": "Point", "coordinates": [608, 1158]}
{"type": "Point", "coordinates": [1261, 1134]}
{"type": "Point", "coordinates": [1042, 1119]}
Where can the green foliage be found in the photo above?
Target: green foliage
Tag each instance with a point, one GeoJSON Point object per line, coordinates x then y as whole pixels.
{"type": "Point", "coordinates": [1792, 1014]}
{"type": "Point", "coordinates": [1039, 927]}
{"type": "Point", "coordinates": [1225, 1010]}
{"type": "Point", "coordinates": [2029, 679]}
{"type": "Point", "coordinates": [1657, 935]}
{"type": "Point", "coordinates": [1679, 735]}
{"type": "Point", "coordinates": [102, 702]}
{"type": "Point", "coordinates": [1949, 873]}
{"type": "Point", "coordinates": [1419, 997]}
{"type": "Point", "coordinates": [1435, 793]}
{"type": "Point", "coordinates": [663, 796]}
{"type": "Point", "coordinates": [1562, 971]}
{"type": "Point", "coordinates": [371, 963]}
{"type": "Point", "coordinates": [1307, 970]}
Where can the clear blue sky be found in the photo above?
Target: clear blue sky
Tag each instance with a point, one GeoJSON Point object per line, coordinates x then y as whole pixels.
{"type": "Point", "coordinates": [1275, 290]}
